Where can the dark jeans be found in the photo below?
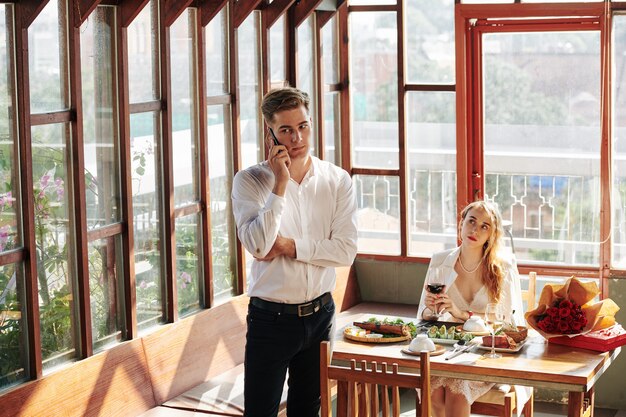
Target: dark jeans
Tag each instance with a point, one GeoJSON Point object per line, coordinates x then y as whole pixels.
{"type": "Point", "coordinates": [277, 342]}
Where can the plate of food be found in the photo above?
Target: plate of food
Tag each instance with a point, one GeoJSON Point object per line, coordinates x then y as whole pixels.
{"type": "Point", "coordinates": [503, 343]}
{"type": "Point", "coordinates": [447, 335]}
{"type": "Point", "coordinates": [380, 331]}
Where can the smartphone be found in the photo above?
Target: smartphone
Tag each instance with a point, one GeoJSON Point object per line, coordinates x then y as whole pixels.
{"type": "Point", "coordinates": [276, 142]}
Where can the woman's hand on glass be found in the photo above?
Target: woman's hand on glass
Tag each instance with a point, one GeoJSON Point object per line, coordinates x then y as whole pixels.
{"type": "Point", "coordinates": [435, 286]}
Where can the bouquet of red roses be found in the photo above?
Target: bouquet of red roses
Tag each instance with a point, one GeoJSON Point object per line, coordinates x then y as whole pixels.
{"type": "Point", "coordinates": [568, 309]}
{"type": "Point", "coordinates": [563, 317]}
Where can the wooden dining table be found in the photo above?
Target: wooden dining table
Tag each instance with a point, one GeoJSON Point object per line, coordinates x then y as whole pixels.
{"type": "Point", "coordinates": [537, 364]}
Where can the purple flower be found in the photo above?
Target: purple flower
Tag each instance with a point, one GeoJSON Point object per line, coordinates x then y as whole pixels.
{"type": "Point", "coordinates": [6, 200]}
{"type": "Point", "coordinates": [43, 181]}
{"type": "Point", "coordinates": [4, 237]}
{"type": "Point", "coordinates": [143, 285]}
{"type": "Point", "coordinates": [186, 278]}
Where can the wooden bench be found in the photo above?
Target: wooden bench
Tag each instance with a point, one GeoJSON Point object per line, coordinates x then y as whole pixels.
{"type": "Point", "coordinates": [111, 383]}
{"type": "Point", "coordinates": [193, 364]}
{"type": "Point", "coordinates": [189, 374]}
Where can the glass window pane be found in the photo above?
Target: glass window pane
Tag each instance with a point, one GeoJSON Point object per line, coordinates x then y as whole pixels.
{"type": "Point", "coordinates": [542, 142]}
{"type": "Point", "coordinates": [306, 69]}
{"type": "Point", "coordinates": [146, 180]}
{"type": "Point", "coordinates": [47, 57]}
{"type": "Point", "coordinates": [277, 51]}
{"type": "Point", "coordinates": [431, 138]}
{"type": "Point", "coordinates": [222, 223]}
{"type": "Point", "coordinates": [185, 134]}
{"type": "Point", "coordinates": [378, 216]}
{"type": "Point", "coordinates": [53, 238]}
{"type": "Point", "coordinates": [188, 263]}
{"type": "Point", "coordinates": [429, 41]}
{"type": "Point", "coordinates": [374, 94]}
{"type": "Point", "coordinates": [100, 124]}
{"type": "Point", "coordinates": [619, 143]}
{"type": "Point", "coordinates": [330, 47]}
{"type": "Point", "coordinates": [216, 52]}
{"type": "Point", "coordinates": [13, 360]}
{"type": "Point", "coordinates": [9, 167]}
{"type": "Point", "coordinates": [106, 291]}
{"type": "Point", "coordinates": [142, 55]}
{"type": "Point", "coordinates": [332, 128]}
{"type": "Point", "coordinates": [249, 90]}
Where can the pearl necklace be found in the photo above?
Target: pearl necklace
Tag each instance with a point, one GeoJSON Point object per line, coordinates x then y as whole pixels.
{"type": "Point", "coordinates": [465, 269]}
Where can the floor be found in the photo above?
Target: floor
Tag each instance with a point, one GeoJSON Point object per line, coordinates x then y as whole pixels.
{"type": "Point", "coordinates": [541, 409]}
{"type": "Point", "coordinates": [553, 410]}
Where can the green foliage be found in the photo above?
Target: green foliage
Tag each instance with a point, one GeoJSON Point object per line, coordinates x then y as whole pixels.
{"type": "Point", "coordinates": [512, 100]}
{"type": "Point", "coordinates": [11, 354]}
{"type": "Point", "coordinates": [56, 323]}
{"type": "Point", "coordinates": [187, 267]}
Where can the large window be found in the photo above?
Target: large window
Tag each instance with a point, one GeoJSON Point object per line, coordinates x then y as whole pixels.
{"type": "Point", "coordinates": [13, 360]}
{"type": "Point", "coordinates": [146, 170]}
{"type": "Point", "coordinates": [252, 149]}
{"type": "Point", "coordinates": [307, 69]}
{"type": "Point", "coordinates": [542, 141]}
{"type": "Point", "coordinates": [618, 200]}
{"type": "Point", "coordinates": [185, 161]}
{"type": "Point", "coordinates": [52, 190]}
{"type": "Point", "coordinates": [535, 142]}
{"type": "Point", "coordinates": [331, 100]}
{"type": "Point", "coordinates": [102, 175]}
{"type": "Point", "coordinates": [220, 158]}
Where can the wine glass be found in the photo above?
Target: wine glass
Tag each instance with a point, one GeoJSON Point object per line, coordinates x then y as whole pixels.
{"type": "Point", "coordinates": [435, 285]}
{"type": "Point", "coordinates": [494, 318]}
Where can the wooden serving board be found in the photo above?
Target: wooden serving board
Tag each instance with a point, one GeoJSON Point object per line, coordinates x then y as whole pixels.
{"type": "Point", "coordinates": [347, 335]}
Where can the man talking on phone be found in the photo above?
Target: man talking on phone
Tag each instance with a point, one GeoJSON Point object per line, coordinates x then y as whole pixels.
{"type": "Point", "coordinates": [296, 215]}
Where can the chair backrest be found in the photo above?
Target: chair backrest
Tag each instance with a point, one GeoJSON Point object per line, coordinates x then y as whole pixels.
{"type": "Point", "coordinates": [368, 385]}
{"type": "Point", "coordinates": [529, 295]}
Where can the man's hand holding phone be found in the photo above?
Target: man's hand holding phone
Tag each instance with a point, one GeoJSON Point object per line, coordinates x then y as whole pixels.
{"type": "Point", "coordinates": [279, 162]}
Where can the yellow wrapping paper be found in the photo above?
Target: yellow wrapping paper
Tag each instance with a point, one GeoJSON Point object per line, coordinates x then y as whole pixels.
{"type": "Point", "coordinates": [599, 315]}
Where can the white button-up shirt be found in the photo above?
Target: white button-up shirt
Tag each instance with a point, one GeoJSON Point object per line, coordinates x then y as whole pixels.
{"type": "Point", "coordinates": [319, 214]}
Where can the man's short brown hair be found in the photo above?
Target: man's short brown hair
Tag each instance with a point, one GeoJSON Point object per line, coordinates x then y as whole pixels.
{"type": "Point", "coordinates": [284, 98]}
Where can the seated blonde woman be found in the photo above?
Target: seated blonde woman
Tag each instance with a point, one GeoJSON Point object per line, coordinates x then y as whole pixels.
{"type": "Point", "coordinates": [474, 274]}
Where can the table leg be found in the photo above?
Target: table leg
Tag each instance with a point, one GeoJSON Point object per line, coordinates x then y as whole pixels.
{"type": "Point", "coordinates": [581, 404]}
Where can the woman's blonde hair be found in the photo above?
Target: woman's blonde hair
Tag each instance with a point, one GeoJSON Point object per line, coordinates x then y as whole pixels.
{"type": "Point", "coordinates": [492, 270]}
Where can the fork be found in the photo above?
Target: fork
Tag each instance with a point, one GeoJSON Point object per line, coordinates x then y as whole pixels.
{"type": "Point", "coordinates": [459, 346]}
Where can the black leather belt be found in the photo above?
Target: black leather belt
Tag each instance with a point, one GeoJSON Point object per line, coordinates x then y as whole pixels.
{"type": "Point", "coordinates": [302, 310]}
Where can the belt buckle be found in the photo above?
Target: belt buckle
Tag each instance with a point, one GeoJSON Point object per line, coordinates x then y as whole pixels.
{"type": "Point", "coordinates": [301, 307]}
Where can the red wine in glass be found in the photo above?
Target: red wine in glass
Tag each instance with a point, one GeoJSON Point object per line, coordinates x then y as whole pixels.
{"type": "Point", "coordinates": [435, 285]}
{"type": "Point", "coordinates": [435, 288]}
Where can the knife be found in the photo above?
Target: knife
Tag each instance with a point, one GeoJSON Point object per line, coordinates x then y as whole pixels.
{"type": "Point", "coordinates": [464, 349]}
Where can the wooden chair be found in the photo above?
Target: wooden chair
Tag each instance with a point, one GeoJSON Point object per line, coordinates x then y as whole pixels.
{"type": "Point", "coordinates": [368, 385]}
{"type": "Point", "coordinates": [498, 403]}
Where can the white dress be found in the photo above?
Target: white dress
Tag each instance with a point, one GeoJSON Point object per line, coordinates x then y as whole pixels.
{"type": "Point", "coordinates": [471, 390]}
{"type": "Point", "coordinates": [510, 300]}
